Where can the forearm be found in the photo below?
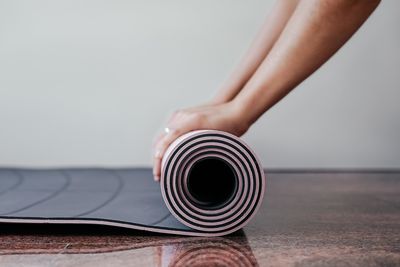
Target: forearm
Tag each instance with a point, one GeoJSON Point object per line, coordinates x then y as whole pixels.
{"type": "Point", "coordinates": [316, 30]}
{"type": "Point", "coordinates": [262, 44]}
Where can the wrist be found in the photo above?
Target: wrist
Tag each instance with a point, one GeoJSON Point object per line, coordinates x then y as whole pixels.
{"type": "Point", "coordinates": [248, 106]}
{"type": "Point", "coordinates": [239, 114]}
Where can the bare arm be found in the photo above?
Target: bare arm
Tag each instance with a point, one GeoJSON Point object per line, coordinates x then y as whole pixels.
{"type": "Point", "coordinates": [261, 45]}
{"type": "Point", "coordinates": [315, 31]}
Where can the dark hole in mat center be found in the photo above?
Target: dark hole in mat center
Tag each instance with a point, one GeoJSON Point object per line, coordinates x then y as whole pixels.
{"type": "Point", "coordinates": [211, 183]}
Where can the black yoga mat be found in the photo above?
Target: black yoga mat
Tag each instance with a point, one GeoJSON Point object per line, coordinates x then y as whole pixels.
{"type": "Point", "coordinates": [211, 185]}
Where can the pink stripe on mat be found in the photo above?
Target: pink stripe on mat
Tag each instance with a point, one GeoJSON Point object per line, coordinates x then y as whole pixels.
{"type": "Point", "coordinates": [192, 160]}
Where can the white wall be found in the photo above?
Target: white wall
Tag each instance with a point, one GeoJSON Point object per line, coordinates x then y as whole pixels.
{"type": "Point", "coordinates": [89, 82]}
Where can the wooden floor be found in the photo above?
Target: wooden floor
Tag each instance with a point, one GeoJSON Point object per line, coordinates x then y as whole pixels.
{"type": "Point", "coordinates": [307, 219]}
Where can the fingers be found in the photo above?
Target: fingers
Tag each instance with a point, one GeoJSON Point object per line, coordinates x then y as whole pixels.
{"type": "Point", "coordinates": [170, 134]}
{"type": "Point", "coordinates": [180, 123]}
{"type": "Point", "coordinates": [156, 158]}
{"type": "Point", "coordinates": [156, 151]}
{"type": "Point", "coordinates": [163, 143]}
{"type": "Point", "coordinates": [157, 139]}
{"type": "Point", "coordinates": [157, 168]}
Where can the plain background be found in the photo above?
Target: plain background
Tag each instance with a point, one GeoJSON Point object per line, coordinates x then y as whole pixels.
{"type": "Point", "coordinates": [91, 82]}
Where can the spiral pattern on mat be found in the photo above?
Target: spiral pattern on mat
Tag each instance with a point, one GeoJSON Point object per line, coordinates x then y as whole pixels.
{"type": "Point", "coordinates": [231, 158]}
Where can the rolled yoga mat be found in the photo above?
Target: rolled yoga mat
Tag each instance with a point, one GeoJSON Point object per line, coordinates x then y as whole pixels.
{"type": "Point", "coordinates": [212, 184]}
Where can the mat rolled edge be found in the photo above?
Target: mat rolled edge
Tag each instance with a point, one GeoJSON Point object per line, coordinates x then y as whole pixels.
{"type": "Point", "coordinates": [212, 182]}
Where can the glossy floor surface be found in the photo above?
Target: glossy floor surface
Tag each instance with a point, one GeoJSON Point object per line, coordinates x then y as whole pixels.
{"type": "Point", "coordinates": [307, 219]}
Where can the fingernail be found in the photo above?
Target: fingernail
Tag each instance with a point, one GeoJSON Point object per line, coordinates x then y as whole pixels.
{"type": "Point", "coordinates": [157, 154]}
{"type": "Point", "coordinates": [156, 178]}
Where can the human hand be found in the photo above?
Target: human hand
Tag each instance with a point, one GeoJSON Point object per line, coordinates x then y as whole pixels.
{"type": "Point", "coordinates": [226, 117]}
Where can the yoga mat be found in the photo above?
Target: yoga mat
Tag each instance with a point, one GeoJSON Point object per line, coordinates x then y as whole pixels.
{"type": "Point", "coordinates": [212, 184]}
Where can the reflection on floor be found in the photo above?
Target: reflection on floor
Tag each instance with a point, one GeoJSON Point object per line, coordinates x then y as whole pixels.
{"type": "Point", "coordinates": [62, 245]}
